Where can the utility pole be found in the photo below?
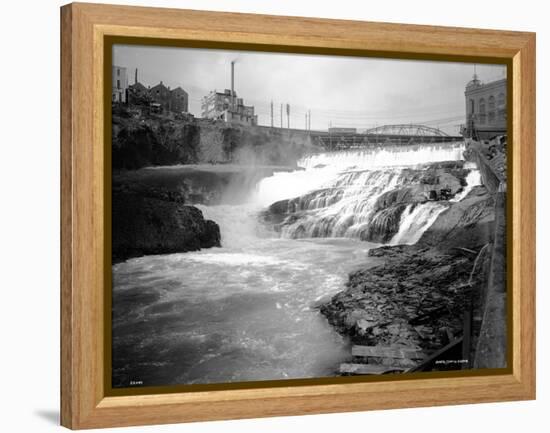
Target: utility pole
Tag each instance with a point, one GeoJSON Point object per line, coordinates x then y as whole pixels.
{"type": "Point", "coordinates": [281, 116]}
{"type": "Point", "coordinates": [233, 86]}
{"type": "Point", "coordinates": [306, 122]}
{"type": "Point", "coordinates": [288, 116]}
{"type": "Point", "coordinates": [272, 113]}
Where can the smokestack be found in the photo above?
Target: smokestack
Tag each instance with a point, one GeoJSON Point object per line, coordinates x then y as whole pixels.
{"type": "Point", "coordinates": [135, 78]}
{"type": "Point", "coordinates": [233, 85]}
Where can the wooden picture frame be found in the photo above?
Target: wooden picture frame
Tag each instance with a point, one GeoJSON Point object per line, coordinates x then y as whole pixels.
{"type": "Point", "coordinates": [84, 29]}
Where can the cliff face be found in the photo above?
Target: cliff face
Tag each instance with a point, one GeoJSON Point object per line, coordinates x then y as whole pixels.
{"type": "Point", "coordinates": [155, 221]}
{"type": "Point", "coordinates": [200, 184]}
{"type": "Point", "coordinates": [140, 143]}
{"type": "Point", "coordinates": [148, 140]}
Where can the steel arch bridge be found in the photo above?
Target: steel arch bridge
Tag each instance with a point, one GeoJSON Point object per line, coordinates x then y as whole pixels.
{"type": "Point", "coordinates": [397, 135]}
{"type": "Point", "coordinates": [409, 130]}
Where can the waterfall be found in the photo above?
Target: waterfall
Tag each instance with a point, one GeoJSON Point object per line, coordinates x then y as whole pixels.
{"type": "Point", "coordinates": [351, 197]}
{"type": "Point", "coordinates": [380, 195]}
{"type": "Point", "coordinates": [386, 156]}
{"type": "Point", "coordinates": [473, 178]}
{"type": "Point", "coordinates": [415, 220]}
{"type": "Point", "coordinates": [238, 224]}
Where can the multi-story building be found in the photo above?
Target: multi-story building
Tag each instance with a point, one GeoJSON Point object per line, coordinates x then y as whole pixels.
{"type": "Point", "coordinates": [227, 107]}
{"type": "Point", "coordinates": [137, 93]}
{"type": "Point", "coordinates": [119, 84]}
{"type": "Point", "coordinates": [161, 94]}
{"type": "Point", "coordinates": [215, 103]}
{"type": "Point", "coordinates": [164, 98]}
{"type": "Point", "coordinates": [486, 114]}
{"type": "Point", "coordinates": [179, 100]}
{"type": "Point", "coordinates": [175, 100]}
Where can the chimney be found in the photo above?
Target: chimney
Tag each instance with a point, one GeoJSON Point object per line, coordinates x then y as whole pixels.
{"type": "Point", "coordinates": [136, 78]}
{"type": "Point", "coordinates": [233, 85]}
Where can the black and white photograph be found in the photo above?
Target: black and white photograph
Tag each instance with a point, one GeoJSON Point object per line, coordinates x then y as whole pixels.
{"type": "Point", "coordinates": [294, 216]}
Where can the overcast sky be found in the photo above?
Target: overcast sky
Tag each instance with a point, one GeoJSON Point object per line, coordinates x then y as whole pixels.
{"type": "Point", "coordinates": [339, 91]}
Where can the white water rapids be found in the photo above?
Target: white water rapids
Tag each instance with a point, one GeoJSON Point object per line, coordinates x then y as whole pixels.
{"type": "Point", "coordinates": [244, 311]}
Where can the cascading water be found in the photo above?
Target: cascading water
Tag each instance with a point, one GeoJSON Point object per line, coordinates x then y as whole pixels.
{"type": "Point", "coordinates": [244, 311]}
{"type": "Point", "coordinates": [341, 194]}
{"type": "Point", "coordinates": [386, 156]}
{"type": "Point", "coordinates": [415, 220]}
{"type": "Point", "coordinates": [473, 178]}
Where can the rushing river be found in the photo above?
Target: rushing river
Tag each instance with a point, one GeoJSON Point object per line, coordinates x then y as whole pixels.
{"type": "Point", "coordinates": [246, 311]}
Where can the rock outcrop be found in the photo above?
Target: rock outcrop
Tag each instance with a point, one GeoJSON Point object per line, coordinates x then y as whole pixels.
{"type": "Point", "coordinates": [414, 298]}
{"type": "Point", "coordinates": [468, 223]}
{"type": "Point", "coordinates": [196, 184]}
{"type": "Point", "coordinates": [490, 157]}
{"type": "Point", "coordinates": [156, 221]}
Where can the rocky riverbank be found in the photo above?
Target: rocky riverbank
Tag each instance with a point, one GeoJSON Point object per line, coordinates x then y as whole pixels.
{"type": "Point", "coordinates": [416, 297]}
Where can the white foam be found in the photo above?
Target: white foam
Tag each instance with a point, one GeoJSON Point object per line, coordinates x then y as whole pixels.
{"type": "Point", "coordinates": [473, 178]}
{"type": "Point", "coordinates": [414, 222]}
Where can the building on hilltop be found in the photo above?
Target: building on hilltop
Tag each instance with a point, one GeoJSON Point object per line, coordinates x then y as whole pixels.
{"type": "Point", "coordinates": [215, 103]}
{"type": "Point", "coordinates": [161, 95]}
{"type": "Point", "coordinates": [227, 107]}
{"type": "Point", "coordinates": [165, 99]}
{"type": "Point", "coordinates": [179, 100]}
{"type": "Point", "coordinates": [486, 112]}
{"type": "Point", "coordinates": [137, 92]}
{"type": "Point", "coordinates": [137, 89]}
{"type": "Point", "coordinates": [119, 84]}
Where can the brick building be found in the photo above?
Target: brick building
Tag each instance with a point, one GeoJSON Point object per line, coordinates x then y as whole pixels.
{"type": "Point", "coordinates": [486, 112]}
{"type": "Point", "coordinates": [179, 100]}
{"type": "Point", "coordinates": [137, 91]}
{"type": "Point", "coordinates": [176, 100]}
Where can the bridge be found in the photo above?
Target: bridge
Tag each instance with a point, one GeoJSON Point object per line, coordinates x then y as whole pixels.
{"type": "Point", "coordinates": [402, 134]}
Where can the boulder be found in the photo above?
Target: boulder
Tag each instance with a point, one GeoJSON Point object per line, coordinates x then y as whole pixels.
{"type": "Point", "coordinates": [144, 225]}
{"type": "Point", "coordinates": [466, 224]}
